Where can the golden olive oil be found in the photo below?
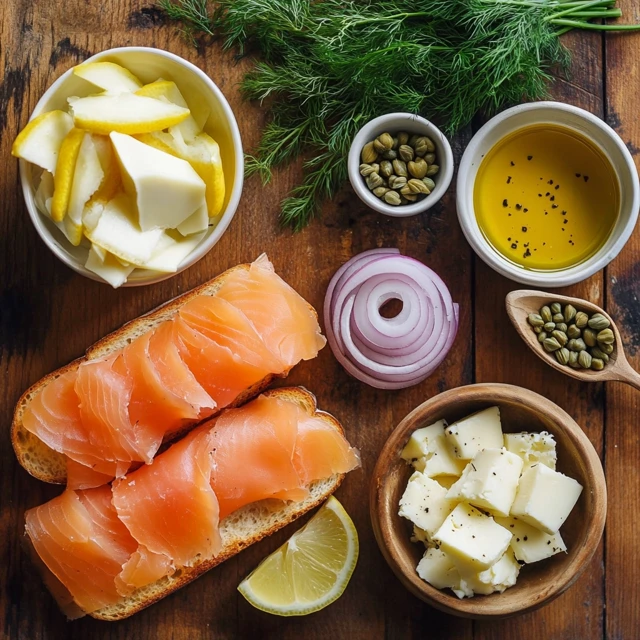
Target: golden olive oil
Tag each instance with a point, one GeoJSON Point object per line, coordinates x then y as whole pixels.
{"type": "Point", "coordinates": [546, 198]}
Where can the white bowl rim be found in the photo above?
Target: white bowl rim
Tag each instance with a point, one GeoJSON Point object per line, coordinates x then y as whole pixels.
{"type": "Point", "coordinates": [204, 247]}
{"type": "Point", "coordinates": [444, 178]}
{"type": "Point", "coordinates": [490, 256]}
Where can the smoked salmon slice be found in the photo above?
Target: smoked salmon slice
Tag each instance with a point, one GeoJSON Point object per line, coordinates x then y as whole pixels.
{"type": "Point", "coordinates": [116, 411]}
{"type": "Point", "coordinates": [81, 540]}
{"type": "Point", "coordinates": [102, 544]}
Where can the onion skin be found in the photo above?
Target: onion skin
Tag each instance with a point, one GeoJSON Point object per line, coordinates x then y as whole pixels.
{"type": "Point", "coordinates": [389, 353]}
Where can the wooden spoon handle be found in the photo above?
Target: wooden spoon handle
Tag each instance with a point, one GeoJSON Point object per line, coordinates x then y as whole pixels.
{"type": "Point", "coordinates": [629, 375]}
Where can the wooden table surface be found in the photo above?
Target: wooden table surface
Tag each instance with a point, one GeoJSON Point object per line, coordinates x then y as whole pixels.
{"type": "Point", "coordinates": [49, 315]}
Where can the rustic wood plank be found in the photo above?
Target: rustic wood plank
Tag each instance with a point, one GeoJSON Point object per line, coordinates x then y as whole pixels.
{"type": "Point", "coordinates": [501, 357]}
{"type": "Point", "coordinates": [50, 315]}
{"type": "Point", "coordinates": [622, 443]}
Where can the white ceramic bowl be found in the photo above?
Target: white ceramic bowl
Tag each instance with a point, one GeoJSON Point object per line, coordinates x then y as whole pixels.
{"type": "Point", "coordinates": [588, 126]}
{"type": "Point", "coordinates": [393, 123]}
{"type": "Point", "coordinates": [149, 65]}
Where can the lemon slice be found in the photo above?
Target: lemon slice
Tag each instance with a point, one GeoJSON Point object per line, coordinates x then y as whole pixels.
{"type": "Point", "coordinates": [39, 142]}
{"type": "Point", "coordinates": [108, 76]}
{"type": "Point", "coordinates": [311, 570]}
{"type": "Point", "coordinates": [65, 169]}
{"type": "Point", "coordinates": [125, 113]}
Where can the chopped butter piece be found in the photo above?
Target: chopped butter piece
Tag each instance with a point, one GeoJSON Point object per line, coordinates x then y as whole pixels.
{"type": "Point", "coordinates": [498, 577]}
{"type": "Point", "coordinates": [424, 502]}
{"type": "Point", "coordinates": [530, 544]}
{"type": "Point", "coordinates": [545, 498]}
{"type": "Point", "coordinates": [532, 447]}
{"type": "Point", "coordinates": [437, 568]}
{"type": "Point", "coordinates": [430, 453]}
{"type": "Point", "coordinates": [166, 190]}
{"type": "Point", "coordinates": [476, 432]}
{"type": "Point", "coordinates": [490, 481]}
{"type": "Point", "coordinates": [473, 539]}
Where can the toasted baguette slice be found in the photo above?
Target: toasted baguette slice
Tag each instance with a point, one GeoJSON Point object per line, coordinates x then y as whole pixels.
{"type": "Point", "coordinates": [238, 530]}
{"type": "Point", "coordinates": [48, 465]}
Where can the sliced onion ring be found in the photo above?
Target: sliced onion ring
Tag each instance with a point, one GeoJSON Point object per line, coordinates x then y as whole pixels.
{"type": "Point", "coordinates": [389, 353]}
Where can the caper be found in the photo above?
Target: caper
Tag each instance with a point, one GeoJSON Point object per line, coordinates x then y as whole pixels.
{"type": "Point", "coordinates": [562, 356]}
{"type": "Point", "coordinates": [606, 337]}
{"type": "Point", "coordinates": [573, 360]}
{"type": "Point", "coordinates": [581, 319]}
{"type": "Point", "coordinates": [369, 154]}
{"type": "Point", "coordinates": [410, 197]}
{"type": "Point", "coordinates": [400, 168]}
{"type": "Point", "coordinates": [433, 169]}
{"type": "Point", "coordinates": [374, 180]}
{"type": "Point", "coordinates": [403, 138]}
{"type": "Point", "coordinates": [406, 152]}
{"type": "Point", "coordinates": [556, 307]}
{"type": "Point", "coordinates": [574, 332]}
{"type": "Point", "coordinates": [606, 348]}
{"type": "Point", "coordinates": [551, 344]}
{"type": "Point", "coordinates": [390, 154]}
{"type": "Point", "coordinates": [430, 184]}
{"type": "Point", "coordinates": [598, 354]}
{"type": "Point", "coordinates": [385, 140]}
{"type": "Point", "coordinates": [542, 336]}
{"type": "Point", "coordinates": [546, 314]}
{"type": "Point", "coordinates": [561, 326]}
{"type": "Point", "coordinates": [430, 158]}
{"type": "Point", "coordinates": [589, 336]}
{"type": "Point", "coordinates": [417, 186]}
{"type": "Point", "coordinates": [392, 198]}
{"type": "Point", "coordinates": [386, 168]}
{"type": "Point", "coordinates": [397, 182]}
{"type": "Point", "coordinates": [561, 337]}
{"type": "Point", "coordinates": [418, 168]}
{"type": "Point", "coordinates": [576, 345]}
{"type": "Point", "coordinates": [569, 313]}
{"type": "Point", "coordinates": [584, 359]}
{"type": "Point", "coordinates": [538, 330]}
{"type": "Point", "coordinates": [535, 320]}
{"type": "Point", "coordinates": [380, 191]}
{"type": "Point", "coordinates": [426, 142]}
{"type": "Point", "coordinates": [558, 317]}
{"type": "Point", "coordinates": [597, 364]}
{"type": "Point", "coordinates": [549, 326]}
{"type": "Point", "coordinates": [598, 322]}
{"type": "Point", "coordinates": [395, 144]}
{"type": "Point", "coordinates": [368, 169]}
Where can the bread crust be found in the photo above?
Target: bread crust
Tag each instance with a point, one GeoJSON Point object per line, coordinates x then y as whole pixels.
{"type": "Point", "coordinates": [265, 517]}
{"type": "Point", "coordinates": [48, 465]}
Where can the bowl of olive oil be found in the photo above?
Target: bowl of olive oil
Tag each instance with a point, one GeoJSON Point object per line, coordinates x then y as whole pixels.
{"type": "Point", "coordinates": [548, 194]}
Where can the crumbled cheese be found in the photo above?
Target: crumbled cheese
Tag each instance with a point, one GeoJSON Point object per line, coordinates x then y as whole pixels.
{"type": "Point", "coordinates": [532, 448]}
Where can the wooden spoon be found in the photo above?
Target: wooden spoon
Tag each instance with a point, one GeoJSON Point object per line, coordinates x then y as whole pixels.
{"type": "Point", "coordinates": [523, 302]}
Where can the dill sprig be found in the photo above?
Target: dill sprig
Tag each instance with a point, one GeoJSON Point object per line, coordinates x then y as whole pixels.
{"type": "Point", "coordinates": [328, 66]}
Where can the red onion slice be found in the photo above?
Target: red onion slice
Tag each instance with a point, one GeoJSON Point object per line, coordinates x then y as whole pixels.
{"type": "Point", "coordinates": [389, 353]}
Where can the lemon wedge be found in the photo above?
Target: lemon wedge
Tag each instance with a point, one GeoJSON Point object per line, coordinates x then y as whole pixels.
{"type": "Point", "coordinates": [108, 76]}
{"type": "Point", "coordinates": [203, 154]}
{"type": "Point", "coordinates": [65, 169]}
{"type": "Point", "coordinates": [311, 570]}
{"type": "Point", "coordinates": [168, 91]}
{"type": "Point", "coordinates": [39, 142]}
{"type": "Point", "coordinates": [125, 113]}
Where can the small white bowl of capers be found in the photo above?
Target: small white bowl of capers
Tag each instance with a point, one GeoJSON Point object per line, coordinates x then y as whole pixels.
{"type": "Point", "coordinates": [400, 164]}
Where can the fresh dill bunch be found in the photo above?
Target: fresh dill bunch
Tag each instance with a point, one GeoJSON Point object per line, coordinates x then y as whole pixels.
{"type": "Point", "coordinates": [326, 67]}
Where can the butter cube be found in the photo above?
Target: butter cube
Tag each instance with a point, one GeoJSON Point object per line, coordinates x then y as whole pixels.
{"type": "Point", "coordinates": [532, 447]}
{"type": "Point", "coordinates": [473, 539]}
{"type": "Point", "coordinates": [476, 432]}
{"type": "Point", "coordinates": [437, 568]}
{"type": "Point", "coordinates": [530, 544]}
{"type": "Point", "coordinates": [498, 577]}
{"type": "Point", "coordinates": [545, 498]}
{"type": "Point", "coordinates": [490, 481]}
{"type": "Point", "coordinates": [418, 445]}
{"type": "Point", "coordinates": [430, 453]}
{"type": "Point", "coordinates": [425, 503]}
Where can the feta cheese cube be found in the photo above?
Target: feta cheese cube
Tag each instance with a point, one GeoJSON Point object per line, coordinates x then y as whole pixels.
{"type": "Point", "coordinates": [420, 535]}
{"type": "Point", "coordinates": [425, 503]}
{"type": "Point", "coordinates": [532, 447]}
{"type": "Point", "coordinates": [499, 576]}
{"type": "Point", "coordinates": [545, 498]}
{"type": "Point", "coordinates": [472, 538]}
{"type": "Point", "coordinates": [530, 544]}
{"type": "Point", "coordinates": [437, 568]}
{"type": "Point", "coordinates": [417, 447]}
{"type": "Point", "coordinates": [490, 481]}
{"type": "Point", "coordinates": [476, 432]}
{"type": "Point", "coordinates": [428, 451]}
{"type": "Point", "coordinates": [447, 481]}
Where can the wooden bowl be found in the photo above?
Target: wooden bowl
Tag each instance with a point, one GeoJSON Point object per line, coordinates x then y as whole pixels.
{"type": "Point", "coordinates": [521, 410]}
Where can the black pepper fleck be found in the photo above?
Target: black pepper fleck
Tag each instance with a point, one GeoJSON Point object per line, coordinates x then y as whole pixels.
{"type": "Point", "coordinates": [508, 179]}
{"type": "Point", "coordinates": [586, 178]}
{"type": "Point", "coordinates": [578, 175]}
{"type": "Point", "coordinates": [505, 203]}
{"type": "Point", "coordinates": [524, 229]}
{"type": "Point", "coordinates": [518, 207]}
{"type": "Point", "coordinates": [554, 206]}
{"type": "Point", "coordinates": [529, 157]}
{"type": "Point", "coordinates": [514, 245]}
